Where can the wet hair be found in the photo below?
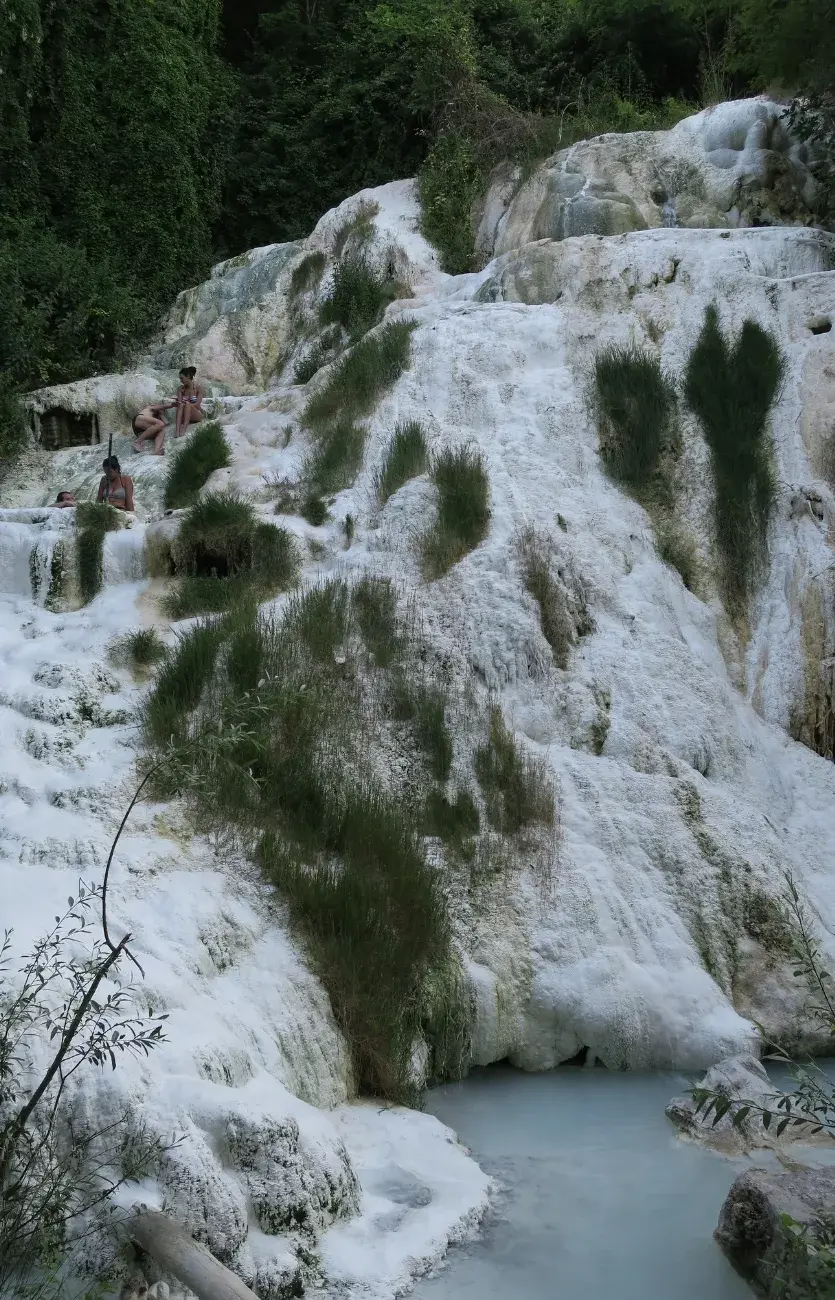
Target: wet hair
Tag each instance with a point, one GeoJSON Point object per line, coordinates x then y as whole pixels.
{"type": "Point", "coordinates": [63, 495]}
{"type": "Point", "coordinates": [189, 371]}
{"type": "Point", "coordinates": [111, 462]}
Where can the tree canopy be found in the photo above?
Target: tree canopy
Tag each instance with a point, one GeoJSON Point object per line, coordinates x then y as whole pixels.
{"type": "Point", "coordinates": [141, 139]}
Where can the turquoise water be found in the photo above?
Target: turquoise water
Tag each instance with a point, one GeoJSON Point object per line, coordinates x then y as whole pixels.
{"type": "Point", "coordinates": [598, 1198]}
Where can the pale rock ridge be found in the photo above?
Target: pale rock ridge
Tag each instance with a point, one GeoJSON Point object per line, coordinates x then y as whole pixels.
{"type": "Point", "coordinates": [732, 165]}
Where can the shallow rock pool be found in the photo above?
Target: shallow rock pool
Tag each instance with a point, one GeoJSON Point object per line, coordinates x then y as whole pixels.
{"type": "Point", "coordinates": [598, 1197]}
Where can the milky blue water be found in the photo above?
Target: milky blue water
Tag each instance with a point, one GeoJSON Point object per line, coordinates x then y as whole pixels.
{"type": "Point", "coordinates": [599, 1199]}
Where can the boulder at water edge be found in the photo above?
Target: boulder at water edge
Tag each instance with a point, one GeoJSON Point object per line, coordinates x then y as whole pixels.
{"type": "Point", "coordinates": [751, 1229]}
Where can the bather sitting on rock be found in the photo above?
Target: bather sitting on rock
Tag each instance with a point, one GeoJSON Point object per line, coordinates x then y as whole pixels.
{"type": "Point", "coordinates": [148, 424]}
{"type": "Point", "coordinates": [115, 487]}
{"type": "Point", "coordinates": [64, 499]}
{"type": "Point", "coordinates": [189, 400]}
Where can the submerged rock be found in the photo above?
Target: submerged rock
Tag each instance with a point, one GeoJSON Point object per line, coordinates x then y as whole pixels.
{"type": "Point", "coordinates": [740, 1079]}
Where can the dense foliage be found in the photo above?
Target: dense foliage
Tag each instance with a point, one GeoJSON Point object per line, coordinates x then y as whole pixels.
{"type": "Point", "coordinates": [138, 141]}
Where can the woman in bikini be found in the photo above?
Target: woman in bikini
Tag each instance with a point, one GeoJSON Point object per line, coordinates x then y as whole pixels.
{"type": "Point", "coordinates": [148, 424]}
{"type": "Point", "coordinates": [115, 487]}
{"type": "Point", "coordinates": [189, 400]}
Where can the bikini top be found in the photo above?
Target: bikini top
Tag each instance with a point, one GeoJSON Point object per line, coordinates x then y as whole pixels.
{"type": "Point", "coordinates": [116, 494]}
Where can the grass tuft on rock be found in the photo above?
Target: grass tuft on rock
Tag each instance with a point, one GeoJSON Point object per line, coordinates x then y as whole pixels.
{"type": "Point", "coordinates": [405, 457]}
{"type": "Point", "coordinates": [731, 388]}
{"type": "Point", "coordinates": [563, 612]}
{"type": "Point", "coordinates": [356, 383]}
{"type": "Point", "coordinates": [180, 684]}
{"type": "Point", "coordinates": [358, 297]}
{"type": "Point", "coordinates": [451, 820]}
{"type": "Point", "coordinates": [320, 354]}
{"type": "Point", "coordinates": [193, 464]}
{"type": "Point", "coordinates": [223, 553]}
{"type": "Point", "coordinates": [425, 706]}
{"type": "Point", "coordinates": [336, 458]}
{"type": "Point", "coordinates": [92, 521]}
{"type": "Point", "coordinates": [678, 550]}
{"type": "Point", "coordinates": [314, 510]}
{"type": "Point", "coordinates": [375, 608]}
{"type": "Point", "coordinates": [139, 650]}
{"type": "Point", "coordinates": [463, 518]}
{"type": "Point", "coordinates": [308, 273]}
{"type": "Point", "coordinates": [517, 789]}
{"type": "Point", "coordinates": [636, 409]}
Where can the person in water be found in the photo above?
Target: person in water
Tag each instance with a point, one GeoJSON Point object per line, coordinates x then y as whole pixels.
{"type": "Point", "coordinates": [115, 487]}
{"type": "Point", "coordinates": [189, 400]}
{"type": "Point", "coordinates": [65, 499]}
{"type": "Point", "coordinates": [148, 425]}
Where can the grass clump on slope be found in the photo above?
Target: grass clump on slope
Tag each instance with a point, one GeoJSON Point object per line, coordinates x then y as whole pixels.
{"type": "Point", "coordinates": [563, 612]}
{"type": "Point", "coordinates": [139, 650]}
{"type": "Point", "coordinates": [223, 553]}
{"type": "Point", "coordinates": [636, 407]}
{"type": "Point", "coordinates": [307, 273]}
{"type": "Point", "coordinates": [206, 451]}
{"type": "Point", "coordinates": [463, 518]}
{"type": "Point", "coordinates": [357, 297]}
{"type": "Point", "coordinates": [731, 388]}
{"type": "Point", "coordinates": [405, 457]}
{"type": "Point", "coordinates": [92, 521]}
{"type": "Point", "coordinates": [517, 790]}
{"type": "Point", "coordinates": [351, 392]}
{"type": "Point", "coordinates": [357, 382]}
{"type": "Point", "coordinates": [276, 732]}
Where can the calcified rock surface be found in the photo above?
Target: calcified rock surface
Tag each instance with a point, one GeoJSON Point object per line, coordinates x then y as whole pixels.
{"type": "Point", "coordinates": [649, 939]}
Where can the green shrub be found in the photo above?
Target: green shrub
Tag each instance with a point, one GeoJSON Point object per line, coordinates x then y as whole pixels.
{"type": "Point", "coordinates": [636, 407]}
{"type": "Point", "coordinates": [356, 384]}
{"type": "Point", "coordinates": [357, 298]}
{"type": "Point", "coordinates": [180, 684]}
{"type": "Point", "coordinates": [191, 466]}
{"type": "Point", "coordinates": [336, 458]}
{"type": "Point", "coordinates": [463, 510]}
{"type": "Point", "coordinates": [92, 521]}
{"type": "Point", "coordinates": [223, 554]}
{"type": "Point", "coordinates": [731, 388]}
{"type": "Point", "coordinates": [451, 820]}
{"type": "Point", "coordinates": [405, 457]}
{"type": "Point", "coordinates": [517, 789]}
{"type": "Point", "coordinates": [275, 750]}
{"type": "Point", "coordinates": [192, 462]}
{"type": "Point", "coordinates": [307, 274]}
{"type": "Point", "coordinates": [450, 183]}
{"type": "Point", "coordinates": [314, 510]}
{"type": "Point", "coordinates": [425, 707]}
{"type": "Point", "coordinates": [201, 595]}
{"type": "Point", "coordinates": [140, 649]}
{"type": "Point", "coordinates": [215, 537]}
{"type": "Point", "coordinates": [679, 551]}
{"type": "Point", "coordinates": [375, 607]}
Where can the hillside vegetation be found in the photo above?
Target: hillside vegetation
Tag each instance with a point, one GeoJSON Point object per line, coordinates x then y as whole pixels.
{"type": "Point", "coordinates": [240, 124]}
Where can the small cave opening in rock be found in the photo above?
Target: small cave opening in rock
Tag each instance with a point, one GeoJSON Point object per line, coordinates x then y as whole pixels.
{"type": "Point", "coordinates": [61, 428]}
{"type": "Point", "coordinates": [820, 325]}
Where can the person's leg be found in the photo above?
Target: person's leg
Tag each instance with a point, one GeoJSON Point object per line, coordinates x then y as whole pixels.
{"type": "Point", "coordinates": [143, 429]}
{"type": "Point", "coordinates": [195, 416]}
{"type": "Point", "coordinates": [182, 419]}
{"type": "Point", "coordinates": [159, 439]}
